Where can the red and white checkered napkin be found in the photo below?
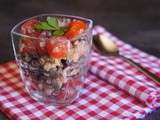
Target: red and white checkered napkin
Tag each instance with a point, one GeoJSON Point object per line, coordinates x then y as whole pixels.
{"type": "Point", "coordinates": [98, 101]}
{"type": "Point", "coordinates": [124, 76]}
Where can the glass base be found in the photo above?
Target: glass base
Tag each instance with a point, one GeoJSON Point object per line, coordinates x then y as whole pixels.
{"type": "Point", "coordinates": [53, 100]}
{"type": "Point", "coordinates": [64, 96]}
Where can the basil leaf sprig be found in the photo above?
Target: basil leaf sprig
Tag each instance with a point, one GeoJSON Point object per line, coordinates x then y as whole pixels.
{"type": "Point", "coordinates": [52, 25]}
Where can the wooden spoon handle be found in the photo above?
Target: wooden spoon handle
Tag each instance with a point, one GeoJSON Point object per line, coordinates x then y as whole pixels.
{"type": "Point", "coordinates": [146, 72]}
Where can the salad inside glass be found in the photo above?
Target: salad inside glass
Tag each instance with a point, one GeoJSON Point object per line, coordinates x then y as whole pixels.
{"type": "Point", "coordinates": [52, 52]}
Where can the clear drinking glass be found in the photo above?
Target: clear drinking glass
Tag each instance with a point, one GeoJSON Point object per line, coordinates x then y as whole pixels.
{"type": "Point", "coordinates": [58, 86]}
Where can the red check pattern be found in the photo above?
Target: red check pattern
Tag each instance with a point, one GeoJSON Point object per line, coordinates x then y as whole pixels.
{"type": "Point", "coordinates": [124, 76]}
{"type": "Point", "coordinates": [98, 99]}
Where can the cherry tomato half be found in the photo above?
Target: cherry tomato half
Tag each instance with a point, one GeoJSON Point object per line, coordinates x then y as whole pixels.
{"type": "Point", "coordinates": [78, 24]}
{"type": "Point", "coordinates": [71, 33]}
{"type": "Point", "coordinates": [76, 27]}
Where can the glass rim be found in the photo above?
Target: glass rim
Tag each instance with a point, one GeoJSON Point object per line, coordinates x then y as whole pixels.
{"type": "Point", "coordinates": [58, 15]}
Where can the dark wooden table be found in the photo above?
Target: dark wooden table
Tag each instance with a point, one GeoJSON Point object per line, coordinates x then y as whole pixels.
{"type": "Point", "coordinates": [134, 21]}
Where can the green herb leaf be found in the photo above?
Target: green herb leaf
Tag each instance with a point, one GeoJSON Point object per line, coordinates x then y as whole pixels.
{"type": "Point", "coordinates": [44, 26]}
{"type": "Point", "coordinates": [51, 24]}
{"type": "Point", "coordinates": [58, 32]}
{"type": "Point", "coordinates": [53, 21]}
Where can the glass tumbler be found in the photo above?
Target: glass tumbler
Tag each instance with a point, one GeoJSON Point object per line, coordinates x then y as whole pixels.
{"type": "Point", "coordinates": [59, 85]}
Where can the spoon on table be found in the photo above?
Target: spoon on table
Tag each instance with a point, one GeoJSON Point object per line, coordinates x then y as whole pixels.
{"type": "Point", "coordinates": [106, 47]}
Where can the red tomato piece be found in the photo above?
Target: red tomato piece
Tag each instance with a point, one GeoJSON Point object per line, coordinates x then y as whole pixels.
{"type": "Point", "coordinates": [71, 33]}
{"type": "Point", "coordinates": [27, 46]}
{"type": "Point", "coordinates": [57, 47]}
{"type": "Point", "coordinates": [76, 27]}
{"type": "Point", "coordinates": [28, 28]}
{"type": "Point", "coordinates": [78, 24]}
{"type": "Point", "coordinates": [32, 45]}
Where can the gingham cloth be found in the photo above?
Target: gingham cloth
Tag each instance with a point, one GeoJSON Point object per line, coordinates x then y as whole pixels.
{"type": "Point", "coordinates": [124, 76]}
{"type": "Point", "coordinates": [98, 100]}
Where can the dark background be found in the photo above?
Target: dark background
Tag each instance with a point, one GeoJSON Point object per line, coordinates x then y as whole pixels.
{"type": "Point", "coordinates": [134, 21]}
